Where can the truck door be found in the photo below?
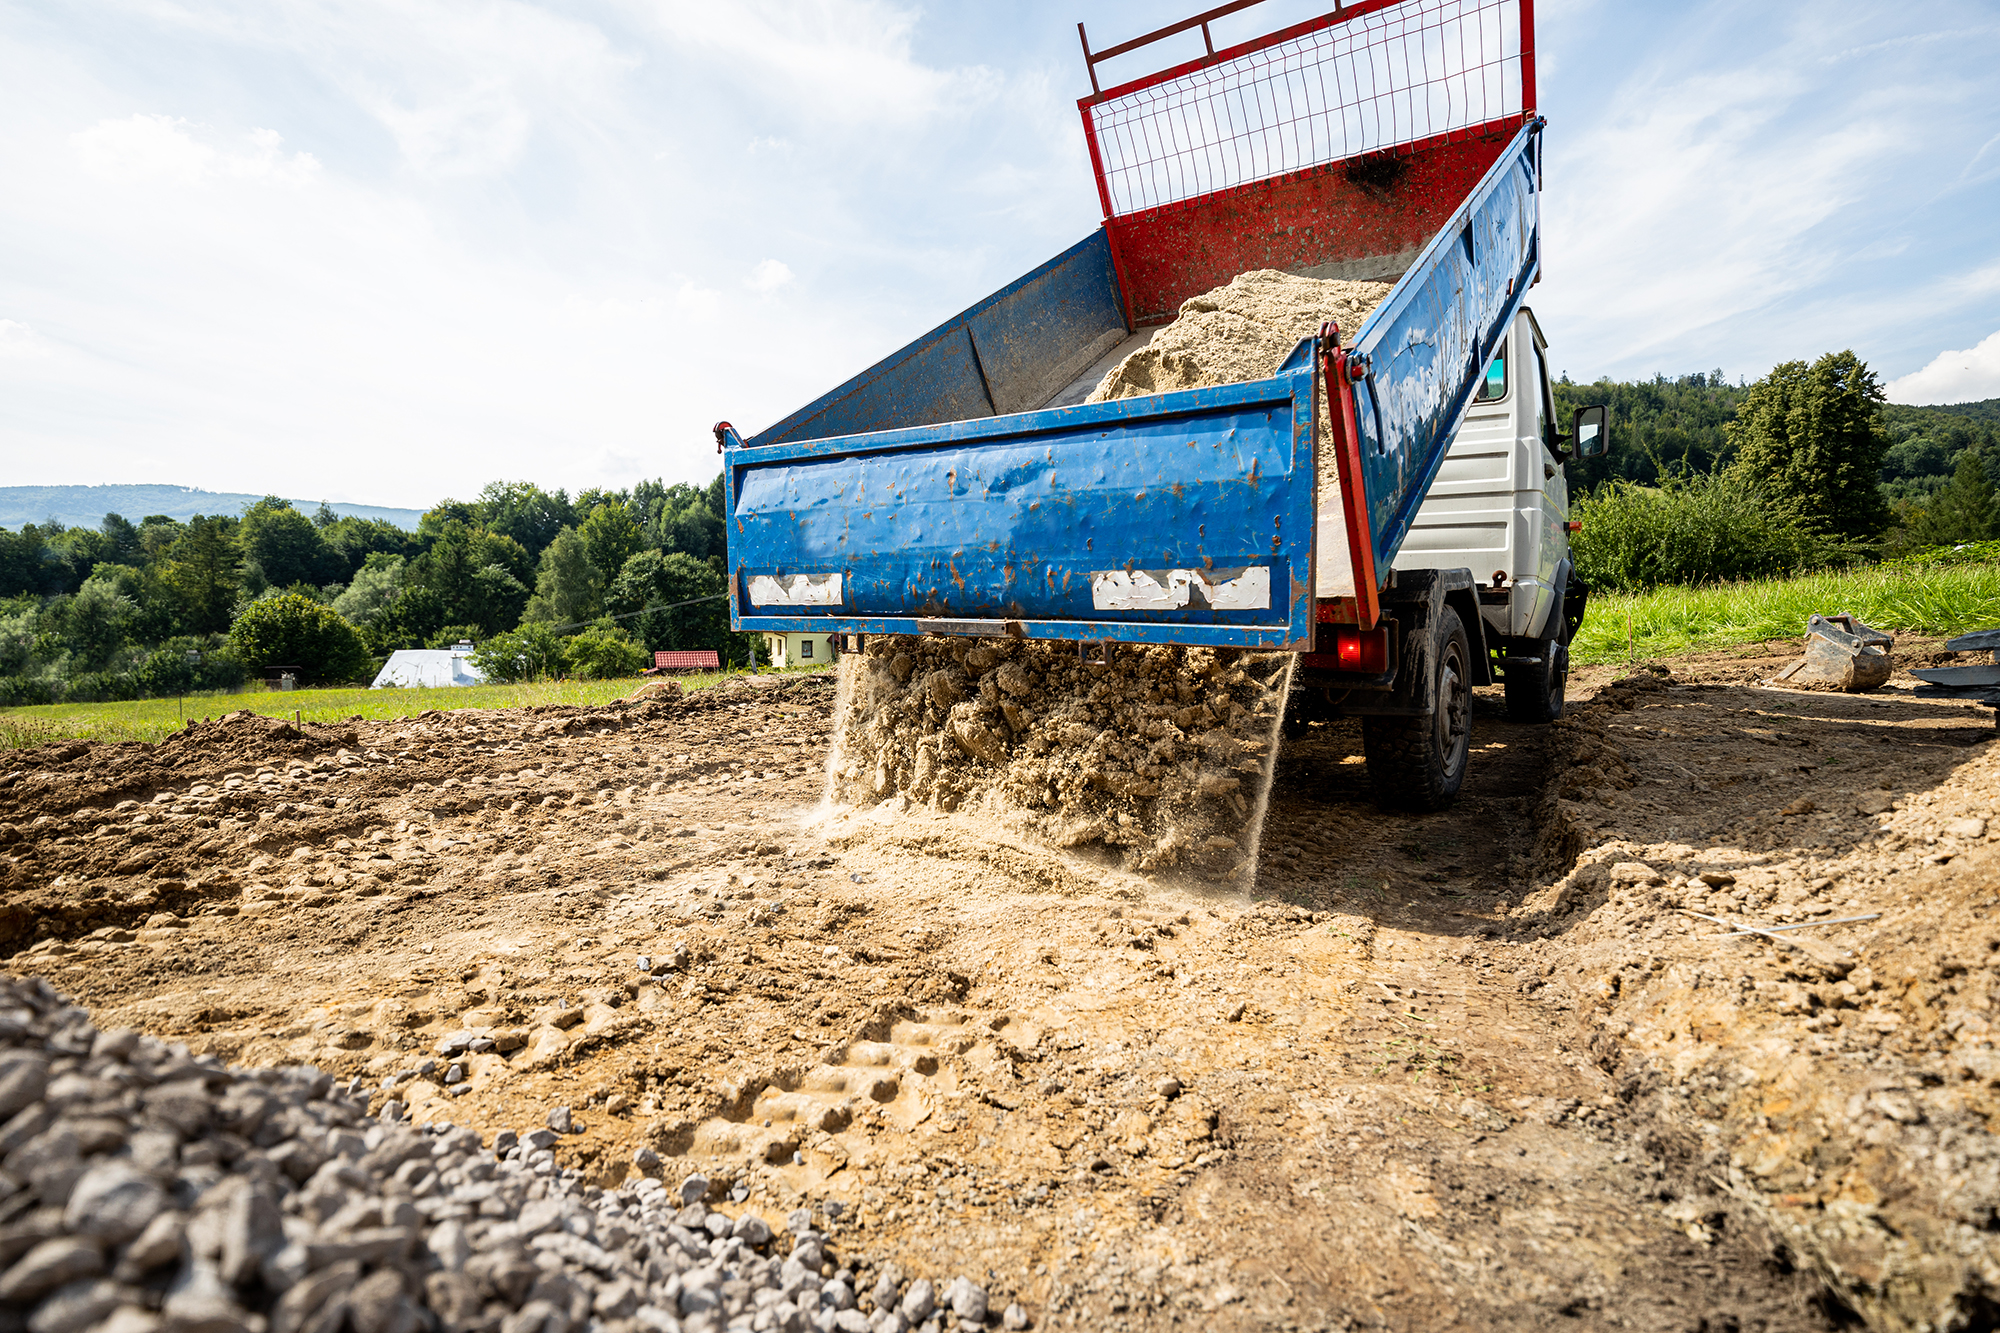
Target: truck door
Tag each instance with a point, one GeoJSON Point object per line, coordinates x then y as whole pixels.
{"type": "Point", "coordinates": [1544, 508]}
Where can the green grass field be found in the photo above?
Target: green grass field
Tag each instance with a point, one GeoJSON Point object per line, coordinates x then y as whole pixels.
{"type": "Point", "coordinates": [153, 719]}
{"type": "Point", "coordinates": [1934, 599]}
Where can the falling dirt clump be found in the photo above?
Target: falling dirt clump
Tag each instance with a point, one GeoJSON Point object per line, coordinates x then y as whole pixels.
{"type": "Point", "coordinates": [1240, 331]}
{"type": "Point", "coordinates": [1162, 753]}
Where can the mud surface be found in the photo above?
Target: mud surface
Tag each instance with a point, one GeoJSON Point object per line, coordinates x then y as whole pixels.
{"type": "Point", "coordinates": [1158, 756]}
{"type": "Point", "coordinates": [1469, 1070]}
{"type": "Point", "coordinates": [1240, 331]}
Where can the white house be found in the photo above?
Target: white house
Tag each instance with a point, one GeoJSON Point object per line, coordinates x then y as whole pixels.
{"type": "Point", "coordinates": [429, 668]}
{"type": "Point", "coordinates": [789, 650]}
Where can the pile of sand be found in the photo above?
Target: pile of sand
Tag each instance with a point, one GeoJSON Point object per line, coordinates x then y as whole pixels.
{"type": "Point", "coordinates": [1241, 331]}
{"type": "Point", "coordinates": [1162, 753]}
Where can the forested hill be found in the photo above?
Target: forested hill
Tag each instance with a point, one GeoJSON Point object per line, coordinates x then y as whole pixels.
{"type": "Point", "coordinates": [86, 506]}
{"type": "Point", "coordinates": [1986, 409]}
{"type": "Point", "coordinates": [1665, 424]}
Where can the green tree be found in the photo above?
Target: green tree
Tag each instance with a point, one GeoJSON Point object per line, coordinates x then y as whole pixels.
{"type": "Point", "coordinates": [1808, 438]}
{"type": "Point", "coordinates": [525, 512]}
{"type": "Point", "coordinates": [158, 532]}
{"type": "Point", "coordinates": [77, 551]}
{"type": "Point", "coordinates": [352, 542]}
{"type": "Point", "coordinates": [664, 588]}
{"type": "Point", "coordinates": [282, 545]}
{"type": "Point", "coordinates": [98, 619]}
{"type": "Point", "coordinates": [679, 518]}
{"type": "Point", "coordinates": [611, 538]}
{"type": "Point", "coordinates": [296, 631]}
{"type": "Point", "coordinates": [604, 653]}
{"type": "Point", "coordinates": [475, 576]}
{"type": "Point", "coordinates": [123, 544]}
{"type": "Point", "coordinates": [532, 652]}
{"type": "Point", "coordinates": [1965, 510]}
{"type": "Point", "coordinates": [23, 570]}
{"type": "Point", "coordinates": [204, 569]}
{"type": "Point", "coordinates": [376, 586]}
{"type": "Point", "coordinates": [568, 588]}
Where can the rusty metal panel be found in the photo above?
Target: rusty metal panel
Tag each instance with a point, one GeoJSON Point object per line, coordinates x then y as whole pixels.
{"type": "Point", "coordinates": [1420, 357]}
{"type": "Point", "coordinates": [1180, 518]}
{"type": "Point", "coordinates": [1349, 219]}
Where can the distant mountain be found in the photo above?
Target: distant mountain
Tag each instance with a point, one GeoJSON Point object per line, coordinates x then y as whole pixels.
{"type": "Point", "coordinates": [86, 506]}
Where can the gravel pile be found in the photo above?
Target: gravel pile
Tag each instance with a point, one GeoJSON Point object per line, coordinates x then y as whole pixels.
{"type": "Point", "coordinates": [146, 1191]}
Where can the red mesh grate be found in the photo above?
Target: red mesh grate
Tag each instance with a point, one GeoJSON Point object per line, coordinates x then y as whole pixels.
{"type": "Point", "coordinates": [1362, 83]}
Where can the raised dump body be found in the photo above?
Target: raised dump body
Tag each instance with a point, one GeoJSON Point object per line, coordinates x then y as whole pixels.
{"type": "Point", "coordinates": [939, 490]}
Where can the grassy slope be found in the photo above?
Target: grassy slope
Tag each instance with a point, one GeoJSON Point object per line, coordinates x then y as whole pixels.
{"type": "Point", "coordinates": [1949, 599]}
{"type": "Point", "coordinates": [153, 719]}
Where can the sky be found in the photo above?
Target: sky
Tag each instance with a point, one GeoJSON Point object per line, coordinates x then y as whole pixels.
{"type": "Point", "coordinates": [386, 252]}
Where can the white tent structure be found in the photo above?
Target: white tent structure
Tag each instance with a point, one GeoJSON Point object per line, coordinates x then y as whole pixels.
{"type": "Point", "coordinates": [428, 668]}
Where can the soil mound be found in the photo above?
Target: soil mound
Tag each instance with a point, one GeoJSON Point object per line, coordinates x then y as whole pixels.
{"type": "Point", "coordinates": [1161, 753]}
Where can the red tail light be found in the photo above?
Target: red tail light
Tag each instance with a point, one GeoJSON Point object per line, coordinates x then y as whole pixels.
{"type": "Point", "coordinates": [1362, 650]}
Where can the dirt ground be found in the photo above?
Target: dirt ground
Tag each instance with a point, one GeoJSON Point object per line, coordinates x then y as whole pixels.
{"type": "Point", "coordinates": [1475, 1070]}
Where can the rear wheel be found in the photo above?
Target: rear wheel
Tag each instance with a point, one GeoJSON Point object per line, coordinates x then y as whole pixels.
{"type": "Point", "coordinates": [1535, 690]}
{"type": "Point", "coordinates": [1418, 763]}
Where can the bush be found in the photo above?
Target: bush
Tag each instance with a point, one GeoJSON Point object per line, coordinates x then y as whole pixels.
{"type": "Point", "coordinates": [1693, 528]}
{"type": "Point", "coordinates": [167, 671]}
{"type": "Point", "coordinates": [294, 630]}
{"type": "Point", "coordinates": [532, 652]}
{"type": "Point", "coordinates": [25, 692]}
{"type": "Point", "coordinates": [600, 653]}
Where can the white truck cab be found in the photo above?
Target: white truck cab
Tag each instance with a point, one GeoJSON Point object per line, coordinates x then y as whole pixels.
{"type": "Point", "coordinates": [1499, 507]}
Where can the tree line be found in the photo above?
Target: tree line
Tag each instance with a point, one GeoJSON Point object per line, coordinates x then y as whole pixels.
{"type": "Point", "coordinates": [1809, 466]}
{"type": "Point", "coordinates": [127, 610]}
{"type": "Point", "coordinates": [1705, 480]}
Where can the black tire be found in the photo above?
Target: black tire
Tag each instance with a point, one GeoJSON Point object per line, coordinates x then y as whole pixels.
{"type": "Point", "coordinates": [1418, 763]}
{"type": "Point", "coordinates": [1535, 693]}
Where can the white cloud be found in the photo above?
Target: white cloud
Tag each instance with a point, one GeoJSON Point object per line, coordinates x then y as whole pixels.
{"type": "Point", "coordinates": [17, 340]}
{"type": "Point", "coordinates": [1953, 377]}
{"type": "Point", "coordinates": [768, 276]}
{"type": "Point", "coordinates": [145, 147]}
{"type": "Point", "coordinates": [848, 62]}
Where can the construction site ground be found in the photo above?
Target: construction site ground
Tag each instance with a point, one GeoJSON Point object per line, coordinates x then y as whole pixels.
{"type": "Point", "coordinates": [1483, 1069]}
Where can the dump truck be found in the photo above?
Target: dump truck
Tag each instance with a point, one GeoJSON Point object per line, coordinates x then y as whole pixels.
{"type": "Point", "coordinates": [1389, 505]}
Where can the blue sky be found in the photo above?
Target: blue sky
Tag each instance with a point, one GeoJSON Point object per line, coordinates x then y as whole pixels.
{"type": "Point", "coordinates": [386, 252]}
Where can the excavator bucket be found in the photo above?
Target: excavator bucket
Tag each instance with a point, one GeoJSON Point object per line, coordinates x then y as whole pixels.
{"type": "Point", "coordinates": [1841, 654]}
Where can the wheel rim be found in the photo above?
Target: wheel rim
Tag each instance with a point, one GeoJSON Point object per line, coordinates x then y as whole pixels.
{"type": "Point", "coordinates": [1454, 707]}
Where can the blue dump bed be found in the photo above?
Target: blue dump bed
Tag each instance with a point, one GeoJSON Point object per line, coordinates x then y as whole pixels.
{"type": "Point", "coordinates": [961, 486]}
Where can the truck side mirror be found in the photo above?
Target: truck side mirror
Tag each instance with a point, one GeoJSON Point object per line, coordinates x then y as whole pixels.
{"type": "Point", "coordinates": [1590, 429]}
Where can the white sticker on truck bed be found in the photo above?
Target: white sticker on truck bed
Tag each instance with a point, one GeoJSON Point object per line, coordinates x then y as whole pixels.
{"type": "Point", "coordinates": [1240, 589]}
{"type": "Point", "coordinates": [795, 590]}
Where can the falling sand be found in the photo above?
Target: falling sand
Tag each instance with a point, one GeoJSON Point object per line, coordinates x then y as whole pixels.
{"type": "Point", "coordinates": [1162, 755]}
